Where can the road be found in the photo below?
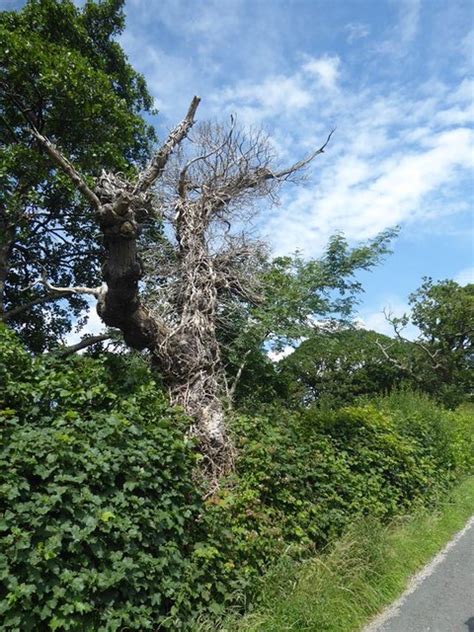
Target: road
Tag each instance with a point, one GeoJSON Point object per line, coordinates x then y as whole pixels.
{"type": "Point", "coordinates": [440, 598]}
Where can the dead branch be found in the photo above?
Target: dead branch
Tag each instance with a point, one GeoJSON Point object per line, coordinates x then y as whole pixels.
{"type": "Point", "coordinates": [157, 165]}
{"type": "Point", "coordinates": [399, 325]}
{"type": "Point", "coordinates": [204, 157]}
{"type": "Point", "coordinates": [54, 293]}
{"type": "Point", "coordinates": [92, 291]}
{"type": "Point", "coordinates": [301, 164]}
{"type": "Point", "coordinates": [12, 313]}
{"type": "Point", "coordinates": [63, 163]}
{"type": "Point", "coordinates": [83, 344]}
{"type": "Point", "coordinates": [238, 375]}
{"type": "Point", "coordinates": [402, 367]}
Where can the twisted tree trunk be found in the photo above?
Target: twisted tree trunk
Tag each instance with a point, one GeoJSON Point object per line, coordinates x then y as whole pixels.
{"type": "Point", "coordinates": [196, 376]}
{"type": "Point", "coordinates": [182, 338]}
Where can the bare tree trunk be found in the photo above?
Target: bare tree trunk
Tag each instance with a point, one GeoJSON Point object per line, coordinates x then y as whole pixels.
{"type": "Point", "coordinates": [195, 376]}
{"type": "Point", "coordinates": [201, 396]}
{"type": "Point", "coordinates": [180, 332]}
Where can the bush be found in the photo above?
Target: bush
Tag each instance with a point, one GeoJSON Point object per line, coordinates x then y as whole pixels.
{"type": "Point", "coordinates": [302, 478]}
{"type": "Point", "coordinates": [444, 437]}
{"type": "Point", "coordinates": [104, 529]}
{"type": "Point", "coordinates": [97, 498]}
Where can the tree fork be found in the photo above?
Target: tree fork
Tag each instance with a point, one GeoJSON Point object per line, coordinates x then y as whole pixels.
{"type": "Point", "coordinates": [231, 171]}
{"type": "Point", "coordinates": [120, 207]}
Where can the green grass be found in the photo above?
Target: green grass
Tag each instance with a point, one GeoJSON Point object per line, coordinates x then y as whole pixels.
{"type": "Point", "coordinates": [362, 572]}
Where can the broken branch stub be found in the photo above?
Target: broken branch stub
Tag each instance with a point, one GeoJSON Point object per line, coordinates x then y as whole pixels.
{"type": "Point", "coordinates": [198, 267]}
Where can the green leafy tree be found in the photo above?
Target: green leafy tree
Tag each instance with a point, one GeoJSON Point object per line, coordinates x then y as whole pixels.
{"type": "Point", "coordinates": [201, 268]}
{"type": "Point", "coordinates": [298, 296]}
{"type": "Point", "coordinates": [441, 359]}
{"type": "Point", "coordinates": [333, 368]}
{"type": "Point", "coordinates": [62, 71]}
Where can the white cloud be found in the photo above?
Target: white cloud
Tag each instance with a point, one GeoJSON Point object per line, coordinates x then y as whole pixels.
{"type": "Point", "coordinates": [170, 79]}
{"type": "Point", "coordinates": [356, 31]}
{"type": "Point", "coordinates": [324, 69]}
{"type": "Point", "coordinates": [409, 19]}
{"type": "Point", "coordinates": [376, 320]}
{"type": "Point", "coordinates": [465, 276]}
{"type": "Point", "coordinates": [276, 356]}
{"type": "Point", "coordinates": [392, 161]}
{"type": "Point", "coordinates": [272, 97]}
{"type": "Point", "coordinates": [395, 157]}
{"type": "Point", "coordinates": [280, 96]}
{"type": "Point", "coordinates": [401, 35]}
{"type": "Point", "coordinates": [457, 115]}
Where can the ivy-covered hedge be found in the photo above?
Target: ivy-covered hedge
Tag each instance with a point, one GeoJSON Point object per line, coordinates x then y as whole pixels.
{"type": "Point", "coordinates": [96, 496]}
{"type": "Point", "coordinates": [102, 527]}
{"type": "Point", "coordinates": [304, 476]}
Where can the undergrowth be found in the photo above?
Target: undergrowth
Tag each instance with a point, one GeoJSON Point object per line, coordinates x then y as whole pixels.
{"type": "Point", "coordinates": [356, 576]}
{"type": "Point", "coordinates": [104, 528]}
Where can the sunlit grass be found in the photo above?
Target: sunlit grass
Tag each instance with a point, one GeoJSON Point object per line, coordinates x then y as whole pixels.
{"type": "Point", "coordinates": [355, 578]}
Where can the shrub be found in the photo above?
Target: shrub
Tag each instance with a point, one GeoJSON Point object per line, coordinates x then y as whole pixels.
{"type": "Point", "coordinates": [103, 527]}
{"type": "Point", "coordinates": [303, 477]}
{"type": "Point", "coordinates": [446, 438]}
{"type": "Point", "coordinates": [97, 498]}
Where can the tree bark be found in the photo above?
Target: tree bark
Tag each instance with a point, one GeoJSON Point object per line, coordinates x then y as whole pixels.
{"type": "Point", "coordinates": [7, 237]}
{"type": "Point", "coordinates": [183, 341]}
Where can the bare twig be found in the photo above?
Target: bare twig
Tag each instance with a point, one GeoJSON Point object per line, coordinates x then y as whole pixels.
{"type": "Point", "coordinates": [301, 164]}
{"type": "Point", "coordinates": [83, 344]}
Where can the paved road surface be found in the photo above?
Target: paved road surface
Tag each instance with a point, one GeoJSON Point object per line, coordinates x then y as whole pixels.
{"type": "Point", "coordinates": [441, 597]}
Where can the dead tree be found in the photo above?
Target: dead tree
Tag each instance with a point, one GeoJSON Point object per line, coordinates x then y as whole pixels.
{"type": "Point", "coordinates": [198, 264]}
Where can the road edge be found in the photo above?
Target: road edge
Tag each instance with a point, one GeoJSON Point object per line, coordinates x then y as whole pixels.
{"type": "Point", "coordinates": [415, 581]}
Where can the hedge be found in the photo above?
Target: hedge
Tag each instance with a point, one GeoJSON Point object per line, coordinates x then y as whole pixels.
{"type": "Point", "coordinates": [103, 527]}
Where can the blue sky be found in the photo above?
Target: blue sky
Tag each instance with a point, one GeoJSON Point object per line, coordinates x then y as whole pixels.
{"type": "Point", "coordinates": [394, 77]}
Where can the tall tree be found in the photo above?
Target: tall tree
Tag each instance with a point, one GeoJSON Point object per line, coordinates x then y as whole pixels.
{"type": "Point", "coordinates": [200, 271]}
{"type": "Point", "coordinates": [300, 298]}
{"type": "Point", "coordinates": [334, 367]}
{"type": "Point", "coordinates": [63, 73]}
{"type": "Point", "coordinates": [441, 359]}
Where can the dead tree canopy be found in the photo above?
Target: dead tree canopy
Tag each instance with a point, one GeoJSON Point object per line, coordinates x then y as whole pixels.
{"type": "Point", "coordinates": [205, 190]}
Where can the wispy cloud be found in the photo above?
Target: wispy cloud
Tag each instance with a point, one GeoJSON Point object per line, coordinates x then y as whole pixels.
{"type": "Point", "coordinates": [396, 157]}
{"type": "Point", "coordinates": [465, 276]}
{"type": "Point", "coordinates": [356, 31]}
{"type": "Point", "coordinates": [325, 70]}
{"type": "Point", "coordinates": [271, 98]}
{"type": "Point", "coordinates": [402, 34]}
{"type": "Point", "coordinates": [365, 194]}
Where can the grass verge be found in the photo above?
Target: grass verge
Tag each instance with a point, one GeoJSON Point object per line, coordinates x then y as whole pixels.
{"type": "Point", "coordinates": [361, 573]}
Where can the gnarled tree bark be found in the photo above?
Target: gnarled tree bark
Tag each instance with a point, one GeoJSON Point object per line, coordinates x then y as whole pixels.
{"type": "Point", "coordinates": [179, 330]}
